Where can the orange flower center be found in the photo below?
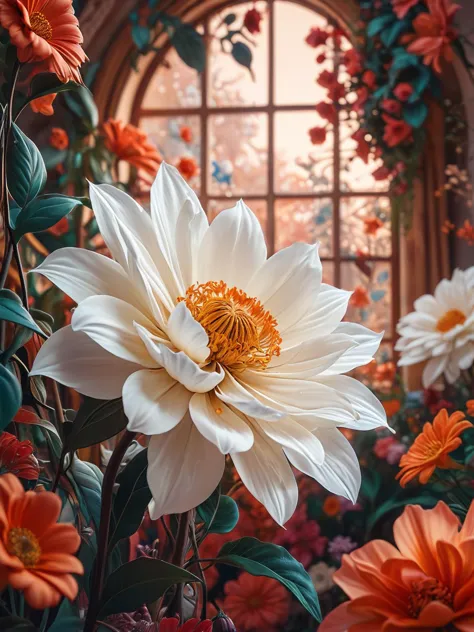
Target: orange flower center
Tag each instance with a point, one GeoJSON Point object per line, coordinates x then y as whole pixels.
{"type": "Point", "coordinates": [449, 320]}
{"type": "Point", "coordinates": [41, 25]}
{"type": "Point", "coordinates": [426, 591]}
{"type": "Point", "coordinates": [24, 544]}
{"type": "Point", "coordinates": [241, 333]}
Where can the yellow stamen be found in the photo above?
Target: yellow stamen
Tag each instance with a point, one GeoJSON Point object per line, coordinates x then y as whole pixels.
{"type": "Point", "coordinates": [24, 544]}
{"type": "Point", "coordinates": [449, 320]}
{"type": "Point", "coordinates": [41, 25]}
{"type": "Point", "coordinates": [241, 333]}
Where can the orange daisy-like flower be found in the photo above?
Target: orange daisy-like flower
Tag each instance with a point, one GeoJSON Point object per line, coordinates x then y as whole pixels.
{"type": "Point", "coordinates": [43, 105]}
{"type": "Point", "coordinates": [427, 583]}
{"type": "Point", "coordinates": [131, 144]}
{"type": "Point", "coordinates": [187, 167]}
{"type": "Point", "coordinates": [431, 448]}
{"type": "Point", "coordinates": [45, 31]}
{"type": "Point", "coordinates": [372, 225]}
{"type": "Point", "coordinates": [360, 298]}
{"type": "Point", "coordinates": [36, 554]}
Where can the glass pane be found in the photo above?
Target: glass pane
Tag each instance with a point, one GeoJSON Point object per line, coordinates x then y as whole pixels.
{"type": "Point", "coordinates": [365, 226]}
{"type": "Point", "coordinates": [304, 220]}
{"type": "Point", "coordinates": [355, 174]}
{"type": "Point", "coordinates": [178, 139]}
{"type": "Point", "coordinates": [371, 302]}
{"type": "Point", "coordinates": [231, 84]}
{"type": "Point", "coordinates": [300, 166]}
{"type": "Point", "coordinates": [295, 65]}
{"type": "Point", "coordinates": [238, 154]}
{"type": "Point", "coordinates": [173, 85]}
{"type": "Point", "coordinates": [328, 272]}
{"type": "Point", "coordinates": [259, 207]}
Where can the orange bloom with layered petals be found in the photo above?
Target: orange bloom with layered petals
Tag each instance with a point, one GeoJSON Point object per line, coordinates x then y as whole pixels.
{"type": "Point", "coordinates": [131, 144]}
{"type": "Point", "coordinates": [425, 584]}
{"type": "Point", "coordinates": [431, 448]}
{"type": "Point", "coordinates": [434, 33]}
{"type": "Point", "coordinates": [43, 105]}
{"type": "Point", "coordinates": [45, 31]}
{"type": "Point", "coordinates": [36, 554]}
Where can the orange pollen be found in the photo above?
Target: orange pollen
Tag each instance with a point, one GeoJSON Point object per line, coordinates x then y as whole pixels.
{"type": "Point", "coordinates": [41, 25]}
{"type": "Point", "coordinates": [241, 333]}
{"type": "Point", "coordinates": [426, 591]}
{"type": "Point", "coordinates": [449, 320]}
{"type": "Point", "coordinates": [24, 544]}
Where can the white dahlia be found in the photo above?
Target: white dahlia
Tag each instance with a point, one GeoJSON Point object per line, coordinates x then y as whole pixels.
{"type": "Point", "coordinates": [215, 349]}
{"type": "Point", "coordinates": [441, 330]}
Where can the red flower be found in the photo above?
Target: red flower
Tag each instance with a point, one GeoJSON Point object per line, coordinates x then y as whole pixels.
{"type": "Point", "coordinates": [17, 457]}
{"type": "Point", "coordinates": [336, 92]}
{"type": "Point", "coordinates": [382, 173]}
{"type": "Point", "coordinates": [396, 131]}
{"type": "Point", "coordinates": [372, 225]}
{"type": "Point", "coordinates": [302, 538]}
{"type": "Point", "coordinates": [370, 79]}
{"type": "Point", "coordinates": [252, 21]}
{"type": "Point", "coordinates": [317, 135]}
{"type": "Point", "coordinates": [321, 58]}
{"type": "Point", "coordinates": [59, 138]}
{"type": "Point", "coordinates": [401, 7]}
{"type": "Point", "coordinates": [362, 96]}
{"type": "Point", "coordinates": [43, 105]}
{"type": "Point", "coordinates": [359, 298]}
{"type": "Point", "coordinates": [403, 91]}
{"type": "Point", "coordinates": [391, 106]}
{"type": "Point", "coordinates": [352, 61]}
{"type": "Point", "coordinates": [187, 167]}
{"type": "Point", "coordinates": [192, 625]}
{"type": "Point", "coordinates": [327, 79]}
{"type": "Point", "coordinates": [186, 134]}
{"type": "Point", "coordinates": [317, 37]}
{"type": "Point", "coordinates": [401, 188]}
{"type": "Point", "coordinates": [363, 148]}
{"type": "Point", "coordinates": [327, 111]}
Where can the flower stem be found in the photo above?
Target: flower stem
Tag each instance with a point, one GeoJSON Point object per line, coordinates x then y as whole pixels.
{"type": "Point", "coordinates": [175, 609]}
{"type": "Point", "coordinates": [102, 540]}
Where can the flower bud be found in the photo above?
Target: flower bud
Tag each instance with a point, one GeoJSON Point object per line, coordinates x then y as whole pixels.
{"type": "Point", "coordinates": [222, 623]}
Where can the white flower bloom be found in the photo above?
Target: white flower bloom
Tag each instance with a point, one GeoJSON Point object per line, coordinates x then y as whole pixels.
{"type": "Point", "coordinates": [441, 329]}
{"type": "Point", "coordinates": [215, 349]}
{"type": "Point", "coordinates": [321, 576]}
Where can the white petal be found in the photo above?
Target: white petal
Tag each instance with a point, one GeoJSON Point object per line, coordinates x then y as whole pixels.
{"type": "Point", "coordinates": [109, 322]}
{"type": "Point", "coordinates": [303, 448]}
{"type": "Point", "coordinates": [187, 334]}
{"type": "Point", "coordinates": [288, 283]}
{"type": "Point", "coordinates": [429, 305]}
{"type": "Point", "coordinates": [236, 395]}
{"type": "Point", "coordinates": [366, 343]}
{"type": "Point", "coordinates": [233, 248]}
{"type": "Point", "coordinates": [183, 469]}
{"type": "Point", "coordinates": [153, 402]}
{"type": "Point", "coordinates": [75, 360]}
{"type": "Point", "coordinates": [190, 229]}
{"type": "Point", "coordinates": [340, 472]}
{"type": "Point", "coordinates": [433, 369]}
{"type": "Point", "coordinates": [228, 431]}
{"type": "Point", "coordinates": [267, 475]}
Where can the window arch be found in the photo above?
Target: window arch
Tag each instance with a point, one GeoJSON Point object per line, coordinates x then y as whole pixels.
{"type": "Point", "coordinates": [250, 139]}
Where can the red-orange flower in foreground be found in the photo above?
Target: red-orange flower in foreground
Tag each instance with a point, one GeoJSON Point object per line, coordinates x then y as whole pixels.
{"type": "Point", "coordinates": [129, 143]}
{"type": "Point", "coordinates": [431, 448]}
{"type": "Point", "coordinates": [427, 583]}
{"type": "Point", "coordinates": [45, 31]}
{"type": "Point", "coordinates": [434, 33]}
{"type": "Point", "coordinates": [44, 105]}
{"type": "Point", "coordinates": [36, 554]}
{"type": "Point", "coordinates": [17, 457]}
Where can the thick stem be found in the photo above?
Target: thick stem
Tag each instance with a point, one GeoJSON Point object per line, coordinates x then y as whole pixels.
{"type": "Point", "coordinates": [175, 609]}
{"type": "Point", "coordinates": [102, 540]}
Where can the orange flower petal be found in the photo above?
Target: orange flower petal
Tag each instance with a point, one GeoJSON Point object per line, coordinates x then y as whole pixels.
{"type": "Point", "coordinates": [40, 511]}
{"type": "Point", "coordinates": [60, 563]}
{"type": "Point", "coordinates": [60, 538]}
{"type": "Point", "coordinates": [40, 594]}
{"type": "Point", "coordinates": [63, 583]}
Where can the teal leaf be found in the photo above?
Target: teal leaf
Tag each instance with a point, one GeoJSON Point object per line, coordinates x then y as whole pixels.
{"type": "Point", "coordinates": [88, 479]}
{"type": "Point", "coordinates": [415, 113]}
{"type": "Point", "coordinates": [96, 421]}
{"type": "Point", "coordinates": [67, 618]}
{"type": "Point", "coordinates": [82, 104]}
{"type": "Point", "coordinates": [189, 45]}
{"type": "Point", "coordinates": [270, 560]}
{"type": "Point", "coordinates": [142, 581]}
{"type": "Point", "coordinates": [379, 23]}
{"type": "Point", "coordinates": [383, 276]}
{"type": "Point", "coordinates": [390, 35]}
{"type": "Point", "coordinates": [44, 84]}
{"type": "Point", "coordinates": [13, 311]}
{"type": "Point", "coordinates": [26, 173]}
{"type": "Point", "coordinates": [219, 513]}
{"type": "Point", "coordinates": [10, 396]}
{"type": "Point", "coordinates": [141, 36]}
{"type": "Point", "coordinates": [43, 212]}
{"type": "Point", "coordinates": [53, 157]}
{"type": "Point", "coordinates": [377, 295]}
{"type": "Point", "coordinates": [242, 54]}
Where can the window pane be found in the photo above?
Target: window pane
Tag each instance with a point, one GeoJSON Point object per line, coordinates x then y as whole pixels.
{"type": "Point", "coordinates": [328, 272]}
{"type": "Point", "coordinates": [231, 84]}
{"type": "Point", "coordinates": [295, 65]}
{"type": "Point", "coordinates": [300, 166]}
{"type": "Point", "coordinates": [167, 132]}
{"type": "Point", "coordinates": [371, 303]}
{"type": "Point", "coordinates": [366, 226]}
{"type": "Point", "coordinates": [304, 220]}
{"type": "Point", "coordinates": [238, 154]}
{"type": "Point", "coordinates": [259, 207]}
{"type": "Point", "coordinates": [173, 85]}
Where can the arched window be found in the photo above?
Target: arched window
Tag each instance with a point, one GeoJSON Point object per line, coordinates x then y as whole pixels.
{"type": "Point", "coordinates": [249, 139]}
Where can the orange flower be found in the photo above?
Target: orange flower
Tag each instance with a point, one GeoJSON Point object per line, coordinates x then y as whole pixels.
{"type": "Point", "coordinates": [36, 554]}
{"type": "Point", "coordinates": [59, 138]}
{"type": "Point", "coordinates": [186, 134]}
{"type": "Point", "coordinates": [447, 227]}
{"type": "Point", "coordinates": [372, 225]}
{"type": "Point", "coordinates": [434, 33]}
{"type": "Point", "coordinates": [129, 143]}
{"type": "Point", "coordinates": [187, 167]}
{"type": "Point", "coordinates": [470, 407]}
{"type": "Point", "coordinates": [60, 228]}
{"type": "Point", "coordinates": [391, 406]}
{"type": "Point", "coordinates": [386, 372]}
{"type": "Point", "coordinates": [45, 31]}
{"type": "Point", "coordinates": [255, 603]}
{"type": "Point", "coordinates": [401, 7]}
{"type": "Point", "coordinates": [427, 583]}
{"type": "Point", "coordinates": [43, 105]}
{"type": "Point", "coordinates": [359, 298]}
{"type": "Point", "coordinates": [332, 506]}
{"type": "Point", "coordinates": [432, 447]}
{"type": "Point", "coordinates": [466, 232]}
{"type": "Point", "coordinates": [396, 131]}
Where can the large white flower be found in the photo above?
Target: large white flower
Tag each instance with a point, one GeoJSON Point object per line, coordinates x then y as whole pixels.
{"type": "Point", "coordinates": [215, 349]}
{"type": "Point", "coordinates": [441, 329]}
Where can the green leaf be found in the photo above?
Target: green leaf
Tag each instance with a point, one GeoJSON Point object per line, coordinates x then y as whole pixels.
{"type": "Point", "coordinates": [16, 624]}
{"type": "Point", "coordinates": [142, 581]}
{"type": "Point", "coordinates": [242, 54]}
{"type": "Point", "coordinates": [82, 103]}
{"type": "Point", "coordinates": [13, 311]}
{"type": "Point", "coordinates": [379, 23]}
{"type": "Point", "coordinates": [10, 396]}
{"type": "Point", "coordinates": [53, 157]}
{"type": "Point", "coordinates": [219, 513]}
{"type": "Point", "coordinates": [371, 483]}
{"type": "Point", "coordinates": [132, 498]}
{"type": "Point", "coordinates": [44, 84]}
{"type": "Point", "coordinates": [96, 421]}
{"type": "Point", "coordinates": [67, 618]}
{"type": "Point", "coordinates": [26, 172]}
{"type": "Point", "coordinates": [423, 500]}
{"type": "Point", "coordinates": [43, 212]}
{"type": "Point", "coordinates": [88, 479]}
{"type": "Point", "coordinates": [141, 35]}
{"type": "Point", "coordinates": [270, 560]}
{"type": "Point", "coordinates": [189, 45]}
{"type": "Point", "coordinates": [415, 113]}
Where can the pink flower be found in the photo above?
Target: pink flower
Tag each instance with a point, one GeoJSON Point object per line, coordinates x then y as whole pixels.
{"type": "Point", "coordinates": [340, 545]}
{"type": "Point", "coordinates": [395, 453]}
{"type": "Point", "coordinates": [382, 446]}
{"type": "Point", "coordinates": [403, 91]}
{"type": "Point", "coordinates": [302, 538]}
{"type": "Point", "coordinates": [401, 7]}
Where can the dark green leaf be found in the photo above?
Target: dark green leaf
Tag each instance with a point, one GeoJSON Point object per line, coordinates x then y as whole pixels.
{"type": "Point", "coordinates": [82, 103]}
{"type": "Point", "coordinates": [44, 84]}
{"type": "Point", "coordinates": [43, 212]}
{"type": "Point", "coordinates": [13, 311]}
{"type": "Point", "coordinates": [16, 624]}
{"type": "Point", "coordinates": [26, 172]}
{"type": "Point", "coordinates": [380, 22]}
{"type": "Point", "coordinates": [219, 513]}
{"type": "Point", "coordinates": [190, 46]}
{"type": "Point", "coordinates": [230, 18]}
{"type": "Point", "coordinates": [53, 157]}
{"type": "Point", "coordinates": [423, 500]}
{"type": "Point", "coordinates": [10, 396]}
{"type": "Point", "coordinates": [88, 479]}
{"type": "Point", "coordinates": [270, 560]}
{"type": "Point", "coordinates": [371, 482]}
{"type": "Point", "coordinates": [67, 618]}
{"type": "Point", "coordinates": [96, 421]}
{"type": "Point", "coordinates": [142, 581]}
{"type": "Point", "coordinates": [415, 113]}
{"type": "Point", "coordinates": [141, 36]}
{"type": "Point", "coordinates": [242, 54]}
